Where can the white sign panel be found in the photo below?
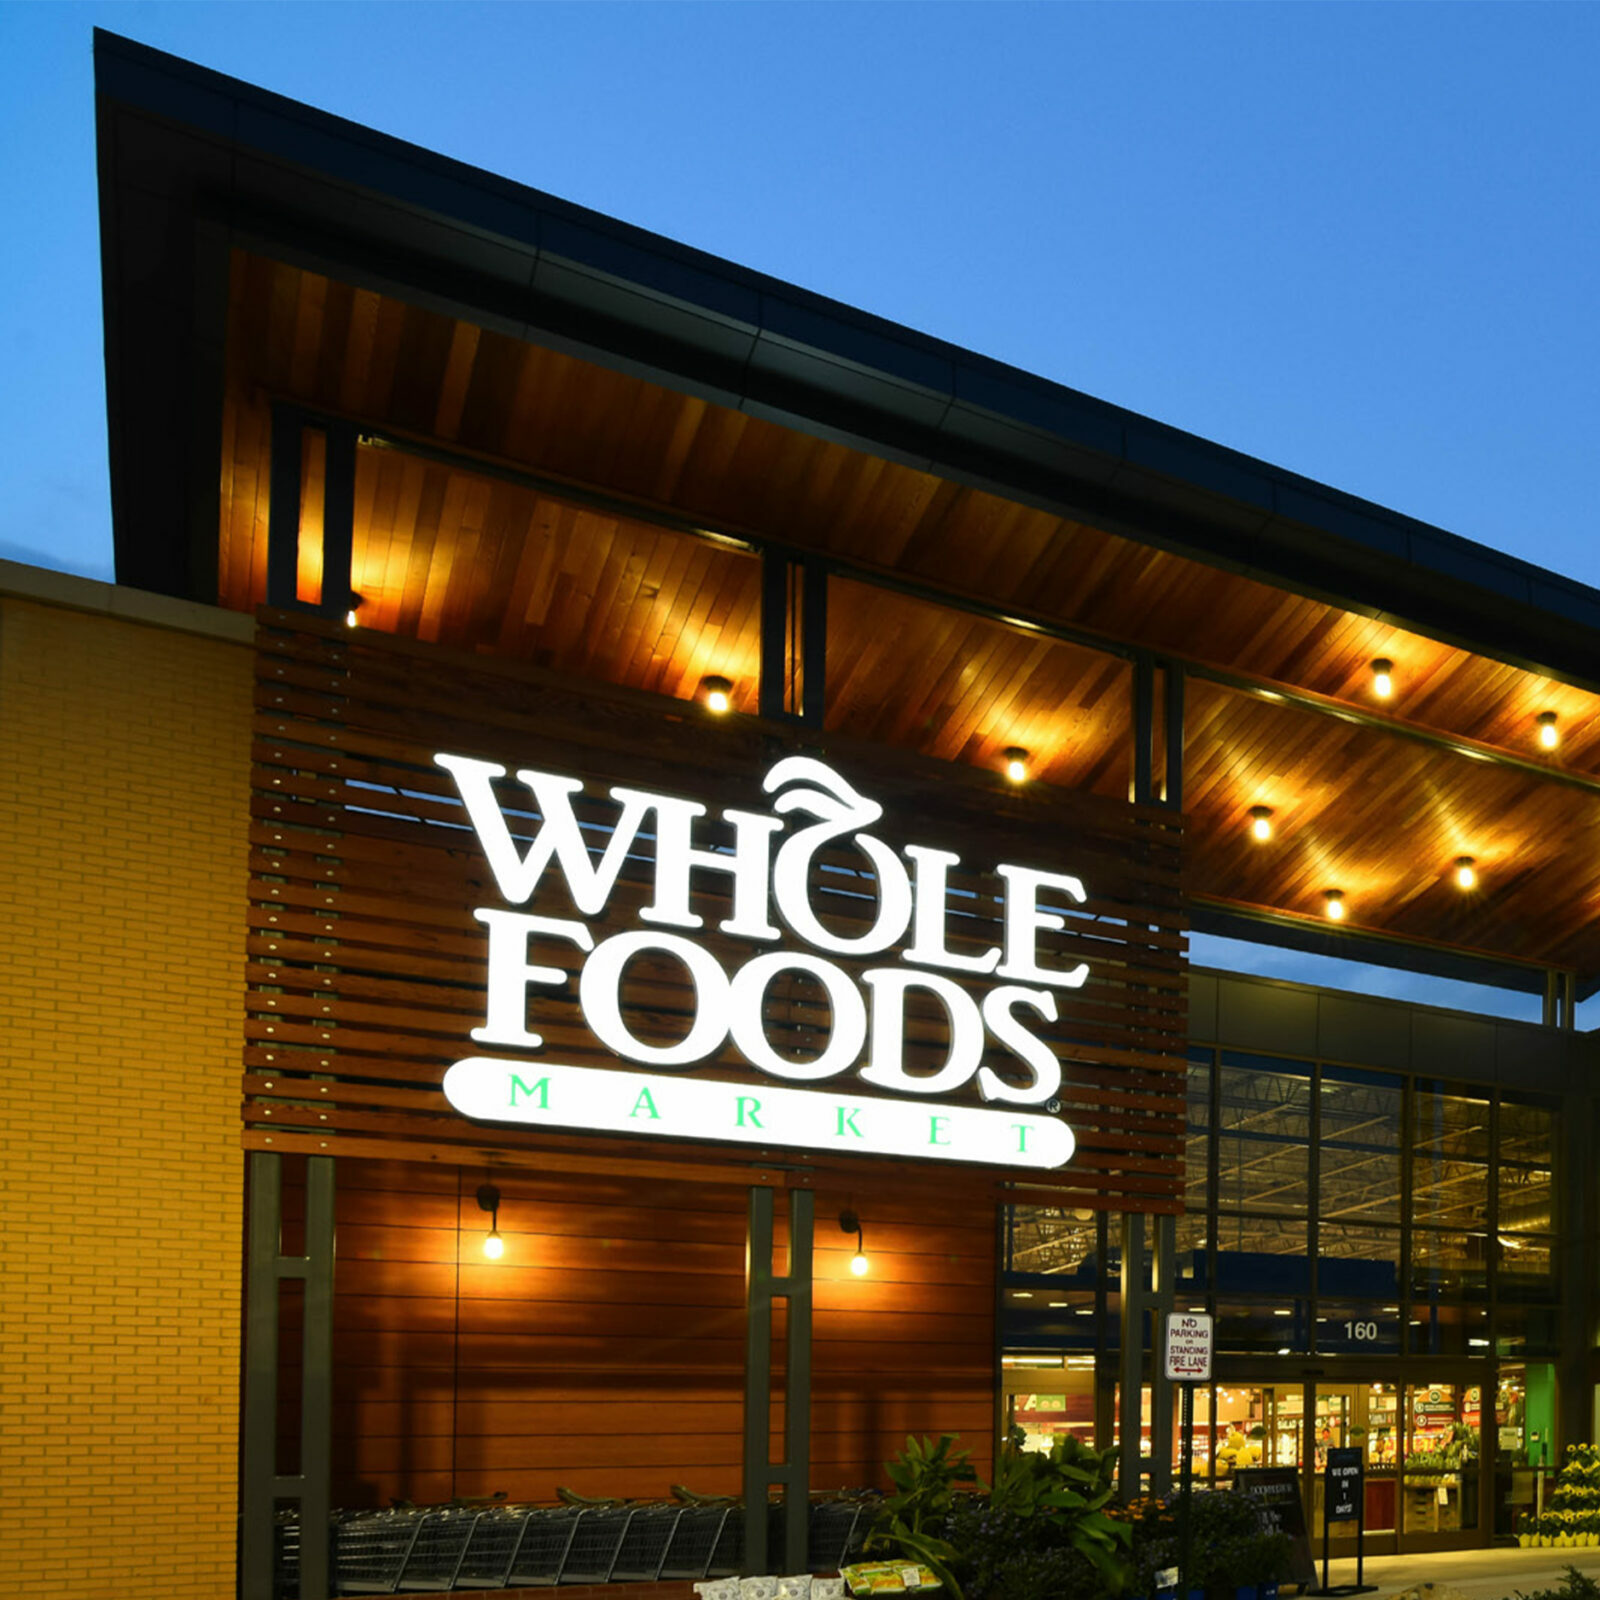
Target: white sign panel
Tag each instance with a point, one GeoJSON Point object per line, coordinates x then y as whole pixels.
{"type": "Point", "coordinates": [1189, 1343]}
{"type": "Point", "coordinates": [764, 884]}
{"type": "Point", "coordinates": [601, 1100]}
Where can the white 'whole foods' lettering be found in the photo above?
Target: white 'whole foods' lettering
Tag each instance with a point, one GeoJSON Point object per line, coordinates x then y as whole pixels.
{"type": "Point", "coordinates": [764, 875]}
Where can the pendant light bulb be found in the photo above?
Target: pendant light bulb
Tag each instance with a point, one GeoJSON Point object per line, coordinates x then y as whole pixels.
{"type": "Point", "coordinates": [489, 1200]}
{"type": "Point", "coordinates": [1016, 763]}
{"type": "Point", "coordinates": [849, 1222]}
{"type": "Point", "coordinates": [1383, 678]}
{"type": "Point", "coordinates": [1466, 873]}
{"type": "Point", "coordinates": [1549, 732]}
{"type": "Point", "coordinates": [1261, 823]}
{"type": "Point", "coordinates": [1333, 904]}
{"type": "Point", "coordinates": [717, 693]}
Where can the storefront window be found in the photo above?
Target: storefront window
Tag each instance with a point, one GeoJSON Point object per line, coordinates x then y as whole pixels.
{"type": "Point", "coordinates": [1450, 1160]}
{"type": "Point", "coordinates": [1524, 1240]}
{"type": "Point", "coordinates": [1525, 1415]}
{"type": "Point", "coordinates": [1358, 1327]}
{"type": "Point", "coordinates": [1263, 1134]}
{"type": "Point", "coordinates": [1439, 1479]}
{"type": "Point", "coordinates": [1045, 1399]}
{"type": "Point", "coordinates": [1263, 1327]}
{"type": "Point", "coordinates": [1257, 1427]}
{"type": "Point", "coordinates": [1358, 1263]}
{"type": "Point", "coordinates": [1359, 1150]}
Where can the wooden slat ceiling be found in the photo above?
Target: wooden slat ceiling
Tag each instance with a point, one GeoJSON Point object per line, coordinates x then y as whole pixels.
{"type": "Point", "coordinates": [464, 559]}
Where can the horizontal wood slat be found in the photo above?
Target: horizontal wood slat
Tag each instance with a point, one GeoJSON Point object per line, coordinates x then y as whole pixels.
{"type": "Point", "coordinates": [605, 1350]}
{"type": "Point", "coordinates": [367, 968]}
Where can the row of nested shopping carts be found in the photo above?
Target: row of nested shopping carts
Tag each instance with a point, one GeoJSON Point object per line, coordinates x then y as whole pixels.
{"type": "Point", "coordinates": [443, 1548]}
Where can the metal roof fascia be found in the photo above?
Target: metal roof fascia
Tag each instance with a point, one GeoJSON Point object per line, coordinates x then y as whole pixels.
{"type": "Point", "coordinates": [921, 391]}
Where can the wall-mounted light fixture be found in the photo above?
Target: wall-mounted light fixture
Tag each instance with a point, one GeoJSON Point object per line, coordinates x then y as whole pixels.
{"type": "Point", "coordinates": [1261, 823]}
{"type": "Point", "coordinates": [356, 602]}
{"type": "Point", "coordinates": [1016, 763]}
{"type": "Point", "coordinates": [1549, 733]}
{"type": "Point", "coordinates": [849, 1222]}
{"type": "Point", "coordinates": [489, 1200]}
{"type": "Point", "coordinates": [1383, 677]}
{"type": "Point", "coordinates": [1333, 904]}
{"type": "Point", "coordinates": [1466, 872]}
{"type": "Point", "coordinates": [716, 694]}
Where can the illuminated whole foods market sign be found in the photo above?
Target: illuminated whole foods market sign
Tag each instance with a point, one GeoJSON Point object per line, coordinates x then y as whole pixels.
{"type": "Point", "coordinates": [768, 878]}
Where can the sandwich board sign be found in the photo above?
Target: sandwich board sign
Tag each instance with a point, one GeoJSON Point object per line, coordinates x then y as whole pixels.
{"type": "Point", "coordinates": [1189, 1346]}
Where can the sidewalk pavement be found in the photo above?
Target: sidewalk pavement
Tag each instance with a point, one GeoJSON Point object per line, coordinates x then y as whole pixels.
{"type": "Point", "coordinates": [1494, 1574]}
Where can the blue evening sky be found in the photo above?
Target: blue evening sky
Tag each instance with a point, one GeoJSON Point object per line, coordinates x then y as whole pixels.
{"type": "Point", "coordinates": [1357, 240]}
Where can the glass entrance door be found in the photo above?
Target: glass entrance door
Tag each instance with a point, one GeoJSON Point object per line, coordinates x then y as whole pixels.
{"type": "Point", "coordinates": [1361, 1416]}
{"type": "Point", "coordinates": [1440, 1465]}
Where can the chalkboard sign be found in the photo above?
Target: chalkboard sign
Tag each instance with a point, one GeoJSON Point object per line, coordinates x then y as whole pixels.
{"type": "Point", "coordinates": [1344, 1486]}
{"type": "Point", "coordinates": [1277, 1491]}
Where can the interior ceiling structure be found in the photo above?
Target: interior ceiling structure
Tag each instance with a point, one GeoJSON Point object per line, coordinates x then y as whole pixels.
{"type": "Point", "coordinates": [1375, 799]}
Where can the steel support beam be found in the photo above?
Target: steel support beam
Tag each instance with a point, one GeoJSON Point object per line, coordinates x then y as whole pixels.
{"type": "Point", "coordinates": [1144, 730]}
{"type": "Point", "coordinates": [1172, 787]}
{"type": "Point", "coordinates": [1161, 1391]}
{"type": "Point", "coordinates": [263, 1485]}
{"type": "Point", "coordinates": [762, 1287]}
{"type": "Point", "coordinates": [1130, 1420]}
{"type": "Point", "coordinates": [283, 509]}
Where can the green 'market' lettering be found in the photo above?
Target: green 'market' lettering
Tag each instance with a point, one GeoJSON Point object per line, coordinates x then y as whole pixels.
{"type": "Point", "coordinates": [847, 1120]}
{"type": "Point", "coordinates": [541, 1088]}
{"type": "Point", "coordinates": [935, 1127]}
{"type": "Point", "coordinates": [647, 1104]}
{"type": "Point", "coordinates": [748, 1107]}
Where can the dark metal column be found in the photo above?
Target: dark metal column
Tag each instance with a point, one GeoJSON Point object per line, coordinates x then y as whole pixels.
{"type": "Point", "coordinates": [1172, 792]}
{"type": "Point", "coordinates": [1129, 1418]}
{"type": "Point", "coordinates": [1161, 1391]}
{"type": "Point", "coordinates": [1144, 729]}
{"type": "Point", "coordinates": [762, 1287]}
{"type": "Point", "coordinates": [794, 637]}
{"type": "Point", "coordinates": [263, 1486]}
{"type": "Point", "coordinates": [338, 520]}
{"type": "Point", "coordinates": [283, 511]}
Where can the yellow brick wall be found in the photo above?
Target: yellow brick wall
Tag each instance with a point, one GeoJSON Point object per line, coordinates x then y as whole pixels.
{"type": "Point", "coordinates": [124, 764]}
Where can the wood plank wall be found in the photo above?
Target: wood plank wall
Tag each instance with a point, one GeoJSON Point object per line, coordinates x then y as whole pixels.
{"type": "Point", "coordinates": [605, 1350]}
{"type": "Point", "coordinates": [367, 968]}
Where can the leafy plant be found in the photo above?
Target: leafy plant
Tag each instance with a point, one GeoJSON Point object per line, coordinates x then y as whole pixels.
{"type": "Point", "coordinates": [925, 1477]}
{"type": "Point", "coordinates": [1574, 1585]}
{"type": "Point", "coordinates": [1072, 1483]}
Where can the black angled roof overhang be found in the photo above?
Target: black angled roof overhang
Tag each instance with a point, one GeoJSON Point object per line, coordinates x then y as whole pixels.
{"type": "Point", "coordinates": [193, 163]}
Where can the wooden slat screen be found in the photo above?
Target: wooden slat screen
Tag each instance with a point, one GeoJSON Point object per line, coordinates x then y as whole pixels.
{"type": "Point", "coordinates": [605, 1350]}
{"type": "Point", "coordinates": [367, 969]}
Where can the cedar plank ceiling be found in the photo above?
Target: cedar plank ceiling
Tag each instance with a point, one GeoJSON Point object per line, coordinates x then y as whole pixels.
{"type": "Point", "coordinates": [474, 562]}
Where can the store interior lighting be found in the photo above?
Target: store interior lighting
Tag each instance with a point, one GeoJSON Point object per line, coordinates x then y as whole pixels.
{"type": "Point", "coordinates": [1261, 823]}
{"type": "Point", "coordinates": [1333, 904]}
{"type": "Point", "coordinates": [1016, 760]}
{"type": "Point", "coordinates": [1549, 732]}
{"type": "Point", "coordinates": [1383, 678]}
{"type": "Point", "coordinates": [1466, 873]}
{"type": "Point", "coordinates": [717, 694]}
